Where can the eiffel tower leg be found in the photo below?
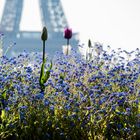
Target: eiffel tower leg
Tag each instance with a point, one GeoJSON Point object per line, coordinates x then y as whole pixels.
{"type": "Point", "coordinates": [11, 16]}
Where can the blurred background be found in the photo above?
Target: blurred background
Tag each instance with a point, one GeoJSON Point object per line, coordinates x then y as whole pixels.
{"type": "Point", "coordinates": [110, 22]}
{"type": "Point", "coordinates": [21, 22]}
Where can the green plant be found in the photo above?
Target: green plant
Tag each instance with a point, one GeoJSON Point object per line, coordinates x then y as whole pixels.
{"type": "Point", "coordinates": [44, 76]}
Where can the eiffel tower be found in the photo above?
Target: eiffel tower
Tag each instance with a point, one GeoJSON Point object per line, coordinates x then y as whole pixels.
{"type": "Point", "coordinates": [52, 16]}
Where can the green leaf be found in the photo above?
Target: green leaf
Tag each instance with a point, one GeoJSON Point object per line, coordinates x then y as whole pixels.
{"type": "Point", "coordinates": [62, 76]}
{"type": "Point", "coordinates": [3, 116]}
{"type": "Point", "coordinates": [47, 75]}
{"type": "Point", "coordinates": [4, 94]}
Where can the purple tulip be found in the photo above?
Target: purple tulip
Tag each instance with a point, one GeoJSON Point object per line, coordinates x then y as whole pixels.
{"type": "Point", "coordinates": [67, 33]}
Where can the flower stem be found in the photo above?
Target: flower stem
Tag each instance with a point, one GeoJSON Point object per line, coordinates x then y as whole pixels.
{"type": "Point", "coordinates": [67, 42]}
{"type": "Point", "coordinates": [43, 51]}
{"type": "Point", "coordinates": [67, 47]}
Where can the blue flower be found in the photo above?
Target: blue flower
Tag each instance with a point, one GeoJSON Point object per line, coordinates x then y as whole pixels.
{"type": "Point", "coordinates": [67, 107]}
{"type": "Point", "coordinates": [46, 102]}
{"type": "Point", "coordinates": [39, 96]}
{"type": "Point", "coordinates": [78, 84]}
{"type": "Point", "coordinates": [128, 109]}
{"type": "Point", "coordinates": [23, 107]}
{"type": "Point", "coordinates": [28, 69]}
{"type": "Point", "coordinates": [7, 108]}
{"type": "Point", "coordinates": [52, 108]}
{"type": "Point", "coordinates": [119, 126]}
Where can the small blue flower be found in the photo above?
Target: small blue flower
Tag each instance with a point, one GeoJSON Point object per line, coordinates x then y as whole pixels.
{"type": "Point", "coordinates": [7, 108]}
{"type": "Point", "coordinates": [128, 109]}
{"type": "Point", "coordinates": [51, 108]}
{"type": "Point", "coordinates": [23, 107]}
{"type": "Point", "coordinates": [39, 96]}
{"type": "Point", "coordinates": [46, 102]}
{"type": "Point", "coordinates": [67, 107]}
{"type": "Point", "coordinates": [28, 69]}
{"type": "Point", "coordinates": [119, 126]}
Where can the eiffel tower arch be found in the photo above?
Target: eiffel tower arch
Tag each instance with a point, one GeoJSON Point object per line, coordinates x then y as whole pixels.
{"type": "Point", "coordinates": [52, 16]}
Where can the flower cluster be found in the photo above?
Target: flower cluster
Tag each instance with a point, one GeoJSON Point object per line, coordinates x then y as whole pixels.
{"type": "Point", "coordinates": [82, 99]}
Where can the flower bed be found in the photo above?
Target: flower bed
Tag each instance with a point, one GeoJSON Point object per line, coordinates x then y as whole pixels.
{"type": "Point", "coordinates": [80, 100]}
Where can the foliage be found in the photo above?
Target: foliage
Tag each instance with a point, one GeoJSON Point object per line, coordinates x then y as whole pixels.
{"type": "Point", "coordinates": [96, 99]}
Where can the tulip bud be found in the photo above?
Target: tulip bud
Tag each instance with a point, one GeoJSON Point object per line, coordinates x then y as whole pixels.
{"type": "Point", "coordinates": [67, 33]}
{"type": "Point", "coordinates": [89, 43]}
{"type": "Point", "coordinates": [44, 35]}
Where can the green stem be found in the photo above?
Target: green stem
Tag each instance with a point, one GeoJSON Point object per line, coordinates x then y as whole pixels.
{"type": "Point", "coordinates": [67, 47]}
{"type": "Point", "coordinates": [43, 51]}
{"type": "Point", "coordinates": [67, 42]}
